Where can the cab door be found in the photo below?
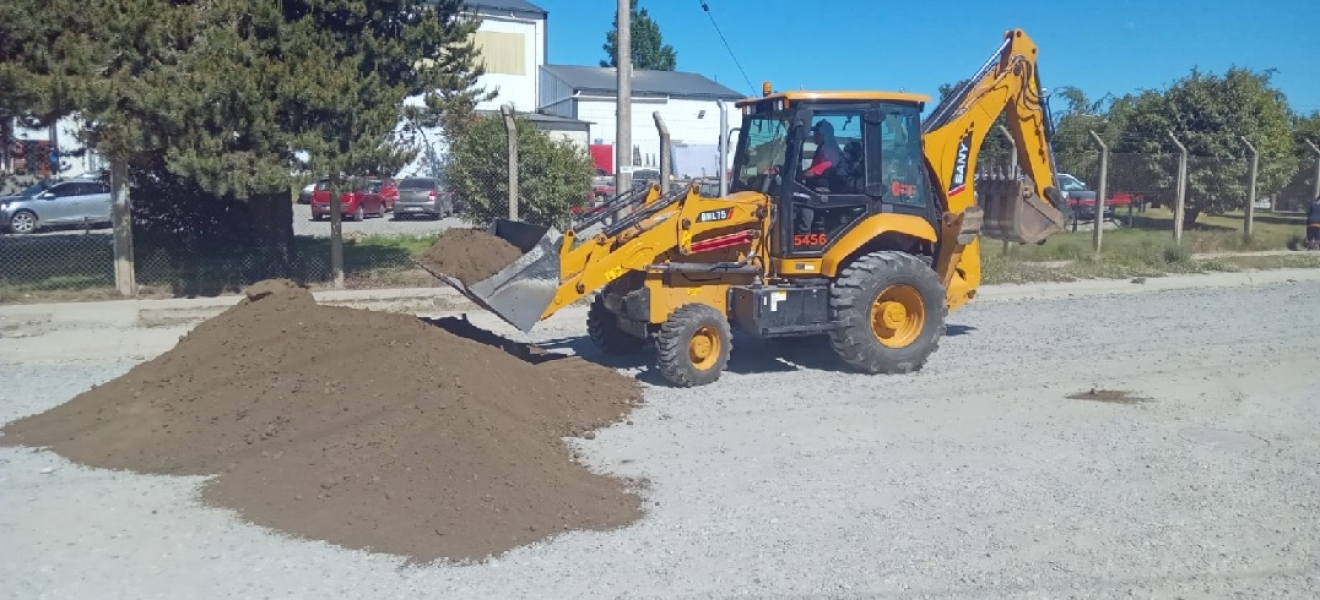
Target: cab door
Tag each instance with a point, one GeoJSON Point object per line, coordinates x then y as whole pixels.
{"type": "Point", "coordinates": [827, 177]}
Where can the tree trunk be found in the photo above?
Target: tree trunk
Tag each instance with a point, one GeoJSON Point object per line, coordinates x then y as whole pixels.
{"type": "Point", "coordinates": [272, 222]}
{"type": "Point", "coordinates": [1189, 217]}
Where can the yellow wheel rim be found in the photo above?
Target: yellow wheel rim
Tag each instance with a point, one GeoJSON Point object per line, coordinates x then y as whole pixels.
{"type": "Point", "coordinates": [898, 316]}
{"type": "Point", "coordinates": [704, 347]}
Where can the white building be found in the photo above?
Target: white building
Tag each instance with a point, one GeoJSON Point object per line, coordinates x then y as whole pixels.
{"type": "Point", "coordinates": [511, 43]}
{"type": "Point", "coordinates": [687, 102]}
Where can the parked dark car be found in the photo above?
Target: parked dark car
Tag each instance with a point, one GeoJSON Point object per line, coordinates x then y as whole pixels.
{"type": "Point", "coordinates": [423, 196]}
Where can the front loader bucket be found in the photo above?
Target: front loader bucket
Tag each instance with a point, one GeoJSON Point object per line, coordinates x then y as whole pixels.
{"type": "Point", "coordinates": [520, 292]}
{"type": "Point", "coordinates": [1013, 210]}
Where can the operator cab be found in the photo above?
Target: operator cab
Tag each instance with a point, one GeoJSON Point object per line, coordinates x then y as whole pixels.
{"type": "Point", "coordinates": [830, 160]}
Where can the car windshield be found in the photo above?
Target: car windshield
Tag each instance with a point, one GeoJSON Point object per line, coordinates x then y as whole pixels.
{"type": "Point", "coordinates": [1070, 183]}
{"type": "Point", "coordinates": [36, 188]}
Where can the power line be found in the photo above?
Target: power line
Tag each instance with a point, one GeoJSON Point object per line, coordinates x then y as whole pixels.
{"type": "Point", "coordinates": [706, 8]}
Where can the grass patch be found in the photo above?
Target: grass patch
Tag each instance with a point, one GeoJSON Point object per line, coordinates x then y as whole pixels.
{"type": "Point", "coordinates": [77, 266]}
{"type": "Point", "coordinates": [1154, 229]}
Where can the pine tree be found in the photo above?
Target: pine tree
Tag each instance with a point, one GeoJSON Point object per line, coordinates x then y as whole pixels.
{"type": "Point", "coordinates": [227, 94]}
{"type": "Point", "coordinates": [649, 52]}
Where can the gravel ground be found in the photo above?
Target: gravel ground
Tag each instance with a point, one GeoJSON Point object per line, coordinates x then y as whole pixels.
{"type": "Point", "coordinates": [789, 478]}
{"type": "Point", "coordinates": [387, 225]}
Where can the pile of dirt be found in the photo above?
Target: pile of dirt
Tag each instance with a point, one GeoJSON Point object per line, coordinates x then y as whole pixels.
{"type": "Point", "coordinates": [370, 430]}
{"type": "Point", "coordinates": [469, 255]}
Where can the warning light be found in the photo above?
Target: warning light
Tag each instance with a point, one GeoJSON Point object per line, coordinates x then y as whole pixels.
{"type": "Point", "coordinates": [765, 89]}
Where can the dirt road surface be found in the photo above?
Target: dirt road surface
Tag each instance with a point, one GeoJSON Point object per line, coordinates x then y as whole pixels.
{"type": "Point", "coordinates": [977, 478]}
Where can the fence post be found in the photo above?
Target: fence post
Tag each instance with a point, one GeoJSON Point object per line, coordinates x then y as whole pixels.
{"type": "Point", "coordinates": [1100, 192]}
{"type": "Point", "coordinates": [1316, 191]}
{"type": "Point", "coordinates": [664, 152]}
{"type": "Point", "coordinates": [511, 127]}
{"type": "Point", "coordinates": [1013, 162]}
{"type": "Point", "coordinates": [122, 218]}
{"type": "Point", "coordinates": [1179, 201]}
{"type": "Point", "coordinates": [337, 230]}
{"type": "Point", "coordinates": [1251, 191]}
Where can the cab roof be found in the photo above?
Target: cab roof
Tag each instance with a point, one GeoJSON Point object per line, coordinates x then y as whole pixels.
{"type": "Point", "coordinates": [837, 96]}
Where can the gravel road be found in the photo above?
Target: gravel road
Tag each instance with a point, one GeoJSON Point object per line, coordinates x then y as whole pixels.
{"type": "Point", "coordinates": [977, 478]}
{"type": "Point", "coordinates": [387, 225]}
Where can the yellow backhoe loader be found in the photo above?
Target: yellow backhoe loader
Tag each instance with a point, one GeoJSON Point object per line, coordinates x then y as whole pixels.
{"type": "Point", "coordinates": [846, 217]}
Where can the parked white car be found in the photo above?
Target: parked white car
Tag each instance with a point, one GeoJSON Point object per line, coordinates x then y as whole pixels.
{"type": "Point", "coordinates": [48, 203]}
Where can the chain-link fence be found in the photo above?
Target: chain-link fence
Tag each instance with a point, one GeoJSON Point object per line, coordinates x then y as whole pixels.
{"type": "Point", "coordinates": [387, 223]}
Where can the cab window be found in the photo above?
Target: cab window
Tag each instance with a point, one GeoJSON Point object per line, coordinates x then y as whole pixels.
{"type": "Point", "coordinates": [900, 157]}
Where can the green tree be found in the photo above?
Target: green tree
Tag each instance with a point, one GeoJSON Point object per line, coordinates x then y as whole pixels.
{"type": "Point", "coordinates": [996, 148]}
{"type": "Point", "coordinates": [1301, 186]}
{"type": "Point", "coordinates": [553, 174]}
{"type": "Point", "coordinates": [1075, 116]}
{"type": "Point", "coordinates": [649, 52]}
{"type": "Point", "coordinates": [228, 94]}
{"type": "Point", "coordinates": [1210, 114]}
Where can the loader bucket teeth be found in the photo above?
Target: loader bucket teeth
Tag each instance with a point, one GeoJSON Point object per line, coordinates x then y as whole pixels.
{"type": "Point", "coordinates": [1013, 210]}
{"type": "Point", "coordinates": [522, 291]}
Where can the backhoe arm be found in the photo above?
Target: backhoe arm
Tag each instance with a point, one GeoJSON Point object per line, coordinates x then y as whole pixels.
{"type": "Point", "coordinates": [953, 134]}
{"type": "Point", "coordinates": [1023, 207]}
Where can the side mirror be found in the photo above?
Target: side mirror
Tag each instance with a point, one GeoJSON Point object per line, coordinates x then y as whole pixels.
{"type": "Point", "coordinates": [47, 196]}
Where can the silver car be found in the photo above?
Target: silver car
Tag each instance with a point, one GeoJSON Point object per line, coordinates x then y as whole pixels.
{"type": "Point", "coordinates": [47, 203]}
{"type": "Point", "coordinates": [423, 196]}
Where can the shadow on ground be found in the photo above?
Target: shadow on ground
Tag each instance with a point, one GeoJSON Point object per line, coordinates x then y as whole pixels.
{"type": "Point", "coordinates": [750, 355]}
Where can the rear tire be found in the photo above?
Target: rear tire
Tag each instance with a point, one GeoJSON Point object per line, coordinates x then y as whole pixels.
{"type": "Point", "coordinates": [891, 311]}
{"type": "Point", "coordinates": [693, 345]}
{"type": "Point", "coordinates": [603, 329]}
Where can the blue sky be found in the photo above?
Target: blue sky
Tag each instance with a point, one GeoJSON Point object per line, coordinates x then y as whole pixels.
{"type": "Point", "coordinates": [1116, 46]}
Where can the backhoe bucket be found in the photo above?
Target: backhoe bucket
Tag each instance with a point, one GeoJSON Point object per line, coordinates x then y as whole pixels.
{"type": "Point", "coordinates": [520, 292]}
{"type": "Point", "coordinates": [1013, 210]}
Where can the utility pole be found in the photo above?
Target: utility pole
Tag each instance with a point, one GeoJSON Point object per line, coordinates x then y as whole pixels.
{"type": "Point", "coordinates": [623, 111]}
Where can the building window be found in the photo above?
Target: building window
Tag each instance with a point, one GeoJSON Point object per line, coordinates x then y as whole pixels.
{"type": "Point", "coordinates": [503, 53]}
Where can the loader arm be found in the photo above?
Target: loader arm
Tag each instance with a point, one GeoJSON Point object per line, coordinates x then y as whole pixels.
{"type": "Point", "coordinates": [661, 236]}
{"type": "Point", "coordinates": [1022, 207]}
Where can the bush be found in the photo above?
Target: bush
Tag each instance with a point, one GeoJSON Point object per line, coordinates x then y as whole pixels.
{"type": "Point", "coordinates": [553, 174]}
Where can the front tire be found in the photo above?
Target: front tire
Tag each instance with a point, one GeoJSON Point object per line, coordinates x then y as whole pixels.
{"type": "Point", "coordinates": [23, 222]}
{"type": "Point", "coordinates": [693, 345]}
{"type": "Point", "coordinates": [604, 331]}
{"type": "Point", "coordinates": [891, 311]}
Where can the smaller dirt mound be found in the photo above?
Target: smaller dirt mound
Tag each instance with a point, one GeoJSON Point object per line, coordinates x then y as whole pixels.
{"type": "Point", "coordinates": [1111, 396]}
{"type": "Point", "coordinates": [371, 430]}
{"type": "Point", "coordinates": [469, 255]}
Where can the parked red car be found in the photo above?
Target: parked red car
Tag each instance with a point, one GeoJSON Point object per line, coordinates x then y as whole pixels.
{"type": "Point", "coordinates": [389, 193]}
{"type": "Point", "coordinates": [365, 198]}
